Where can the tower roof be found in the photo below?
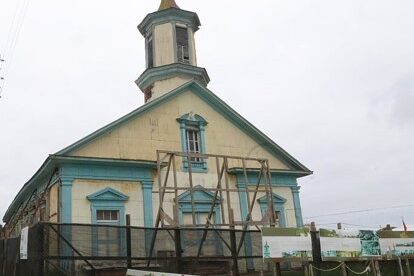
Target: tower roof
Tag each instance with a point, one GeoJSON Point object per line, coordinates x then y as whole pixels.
{"type": "Point", "coordinates": [166, 4]}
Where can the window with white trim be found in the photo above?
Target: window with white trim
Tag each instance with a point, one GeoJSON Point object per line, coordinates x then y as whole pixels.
{"type": "Point", "coordinates": [107, 216]}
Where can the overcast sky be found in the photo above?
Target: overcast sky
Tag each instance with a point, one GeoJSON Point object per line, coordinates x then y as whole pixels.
{"type": "Point", "coordinates": [332, 82]}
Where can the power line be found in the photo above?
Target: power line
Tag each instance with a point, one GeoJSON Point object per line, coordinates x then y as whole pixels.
{"type": "Point", "coordinates": [11, 41]}
{"type": "Point", "coordinates": [361, 211]}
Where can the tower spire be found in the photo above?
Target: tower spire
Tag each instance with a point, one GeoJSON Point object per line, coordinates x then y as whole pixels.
{"type": "Point", "coordinates": [166, 4]}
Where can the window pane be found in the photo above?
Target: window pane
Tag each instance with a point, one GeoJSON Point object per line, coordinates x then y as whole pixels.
{"type": "Point", "coordinates": [99, 215]}
{"type": "Point", "coordinates": [187, 218]}
{"type": "Point", "coordinates": [114, 215]}
{"type": "Point", "coordinates": [107, 215]}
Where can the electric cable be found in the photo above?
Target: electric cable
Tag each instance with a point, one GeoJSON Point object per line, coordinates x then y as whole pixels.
{"type": "Point", "coordinates": [11, 41]}
{"type": "Point", "coordinates": [361, 211]}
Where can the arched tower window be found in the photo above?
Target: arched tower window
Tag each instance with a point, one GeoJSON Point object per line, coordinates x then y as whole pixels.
{"type": "Point", "coordinates": [183, 49]}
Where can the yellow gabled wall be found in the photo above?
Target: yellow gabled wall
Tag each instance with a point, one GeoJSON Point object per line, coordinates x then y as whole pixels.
{"type": "Point", "coordinates": [157, 129]}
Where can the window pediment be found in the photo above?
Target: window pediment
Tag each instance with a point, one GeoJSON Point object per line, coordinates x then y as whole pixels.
{"type": "Point", "coordinates": [276, 199]}
{"type": "Point", "coordinates": [192, 119]}
{"type": "Point", "coordinates": [107, 194]}
{"type": "Point", "coordinates": [201, 195]}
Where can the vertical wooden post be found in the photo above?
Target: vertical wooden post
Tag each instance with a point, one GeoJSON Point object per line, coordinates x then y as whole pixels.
{"type": "Point", "coordinates": [407, 264]}
{"type": "Point", "coordinates": [316, 248]}
{"type": "Point", "coordinates": [128, 241]}
{"type": "Point", "coordinates": [233, 244]}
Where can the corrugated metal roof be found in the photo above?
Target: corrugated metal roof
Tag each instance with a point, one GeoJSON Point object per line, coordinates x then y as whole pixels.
{"type": "Point", "coordinates": [166, 4]}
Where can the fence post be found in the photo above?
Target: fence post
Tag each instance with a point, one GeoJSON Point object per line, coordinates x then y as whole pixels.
{"type": "Point", "coordinates": [344, 271]}
{"type": "Point", "coordinates": [400, 266]}
{"type": "Point", "coordinates": [278, 270]}
{"type": "Point", "coordinates": [372, 266]}
{"type": "Point", "coordinates": [128, 241]}
{"type": "Point", "coordinates": [377, 268]}
{"type": "Point", "coordinates": [4, 257]}
{"type": "Point", "coordinates": [316, 248]}
{"type": "Point", "coordinates": [178, 249]}
{"type": "Point", "coordinates": [407, 264]}
{"type": "Point", "coordinates": [41, 249]}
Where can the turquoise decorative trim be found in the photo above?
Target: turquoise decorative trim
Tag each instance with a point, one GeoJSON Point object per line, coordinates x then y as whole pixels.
{"type": "Point", "coordinates": [244, 211]}
{"type": "Point", "coordinates": [276, 180]}
{"type": "Point", "coordinates": [127, 173]}
{"type": "Point", "coordinates": [202, 205]}
{"type": "Point", "coordinates": [193, 120]}
{"type": "Point", "coordinates": [298, 208]}
{"type": "Point", "coordinates": [168, 71]}
{"type": "Point", "coordinates": [278, 202]}
{"type": "Point", "coordinates": [66, 200]}
{"type": "Point", "coordinates": [244, 206]}
{"type": "Point", "coordinates": [169, 15]}
{"type": "Point", "coordinates": [202, 201]}
{"type": "Point", "coordinates": [280, 172]}
{"type": "Point", "coordinates": [148, 204]}
{"type": "Point", "coordinates": [108, 195]}
{"type": "Point", "coordinates": [108, 199]}
{"type": "Point", "coordinates": [147, 186]}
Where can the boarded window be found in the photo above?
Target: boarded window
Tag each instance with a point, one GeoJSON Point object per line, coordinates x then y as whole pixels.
{"type": "Point", "coordinates": [150, 52]}
{"type": "Point", "coordinates": [183, 54]}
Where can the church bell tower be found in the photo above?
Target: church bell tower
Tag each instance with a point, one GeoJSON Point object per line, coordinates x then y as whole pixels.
{"type": "Point", "coordinates": [171, 58]}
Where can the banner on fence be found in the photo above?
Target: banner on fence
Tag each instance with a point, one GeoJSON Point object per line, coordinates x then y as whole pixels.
{"type": "Point", "coordinates": [396, 243]}
{"type": "Point", "coordinates": [131, 272]}
{"type": "Point", "coordinates": [349, 243]}
{"type": "Point", "coordinates": [286, 243]}
{"type": "Point", "coordinates": [24, 239]}
{"type": "Point", "coordinates": [362, 244]}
